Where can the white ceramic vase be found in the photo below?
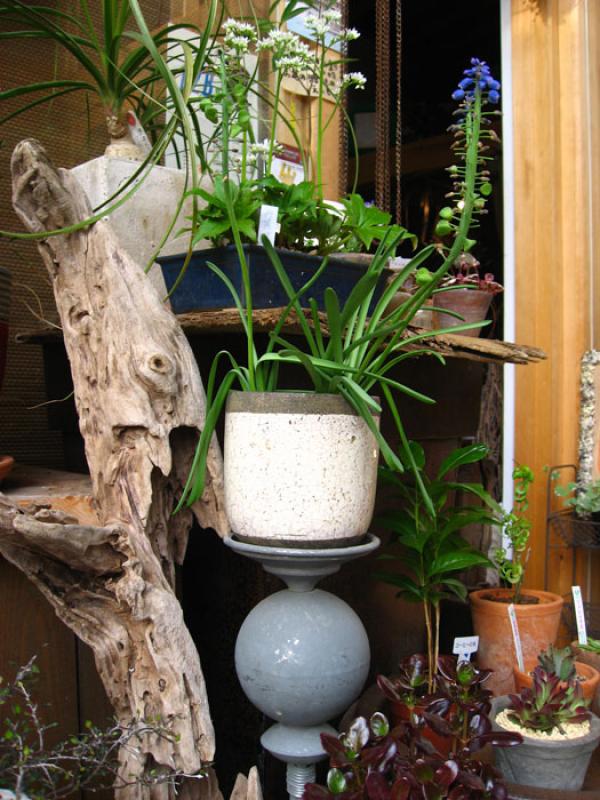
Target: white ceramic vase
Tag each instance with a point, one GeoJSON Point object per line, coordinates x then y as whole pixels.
{"type": "Point", "coordinates": [300, 469]}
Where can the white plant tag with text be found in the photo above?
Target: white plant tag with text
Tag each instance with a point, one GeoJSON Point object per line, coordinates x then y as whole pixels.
{"type": "Point", "coordinates": [267, 223]}
{"type": "Point", "coordinates": [516, 636]}
{"type": "Point", "coordinates": [465, 646]}
{"type": "Point", "coordinates": [579, 615]}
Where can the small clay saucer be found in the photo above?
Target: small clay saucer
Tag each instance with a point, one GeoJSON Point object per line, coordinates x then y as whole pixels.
{"type": "Point", "coordinates": [6, 464]}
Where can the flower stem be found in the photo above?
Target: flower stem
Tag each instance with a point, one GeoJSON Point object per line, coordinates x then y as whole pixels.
{"type": "Point", "coordinates": [275, 114]}
{"type": "Point", "coordinates": [319, 155]}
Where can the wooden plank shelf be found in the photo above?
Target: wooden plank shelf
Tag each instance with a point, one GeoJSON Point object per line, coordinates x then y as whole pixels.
{"type": "Point", "coordinates": [69, 492]}
{"type": "Point", "coordinates": [203, 323]}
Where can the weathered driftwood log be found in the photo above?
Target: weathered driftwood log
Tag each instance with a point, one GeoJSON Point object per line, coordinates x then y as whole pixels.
{"type": "Point", "coordinates": [140, 402]}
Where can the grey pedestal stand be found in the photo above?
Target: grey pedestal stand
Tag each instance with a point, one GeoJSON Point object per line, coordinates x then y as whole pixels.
{"type": "Point", "coordinates": [302, 655]}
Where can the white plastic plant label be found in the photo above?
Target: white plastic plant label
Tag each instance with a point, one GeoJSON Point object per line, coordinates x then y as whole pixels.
{"type": "Point", "coordinates": [516, 636]}
{"type": "Point", "coordinates": [465, 646]}
{"type": "Point", "coordinates": [579, 615]}
{"type": "Point", "coordinates": [267, 223]}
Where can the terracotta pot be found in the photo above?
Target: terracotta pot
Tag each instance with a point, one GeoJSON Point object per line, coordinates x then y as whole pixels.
{"type": "Point", "coordinates": [423, 317]}
{"type": "Point", "coordinates": [538, 627]}
{"type": "Point", "coordinates": [592, 660]}
{"type": "Point", "coordinates": [589, 684]}
{"type": "Point", "coordinates": [6, 464]}
{"type": "Point", "coordinates": [400, 713]}
{"type": "Point", "coordinates": [471, 304]}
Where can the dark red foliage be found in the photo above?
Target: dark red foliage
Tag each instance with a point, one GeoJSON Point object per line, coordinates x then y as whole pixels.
{"type": "Point", "coordinates": [373, 762]}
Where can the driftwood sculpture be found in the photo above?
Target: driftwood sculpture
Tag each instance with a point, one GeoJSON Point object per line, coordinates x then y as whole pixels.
{"type": "Point", "coordinates": [140, 402]}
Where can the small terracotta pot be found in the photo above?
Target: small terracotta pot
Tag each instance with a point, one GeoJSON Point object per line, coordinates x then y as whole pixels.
{"type": "Point", "coordinates": [471, 304]}
{"type": "Point", "coordinates": [538, 628]}
{"type": "Point", "coordinates": [592, 660]}
{"type": "Point", "coordinates": [401, 713]}
{"type": "Point", "coordinates": [589, 684]}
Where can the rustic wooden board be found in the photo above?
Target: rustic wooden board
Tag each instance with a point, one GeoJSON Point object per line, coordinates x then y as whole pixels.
{"type": "Point", "coordinates": [227, 321]}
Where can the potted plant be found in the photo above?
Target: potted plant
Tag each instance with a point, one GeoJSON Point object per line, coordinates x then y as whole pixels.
{"type": "Point", "coordinates": [559, 734]}
{"type": "Point", "coordinates": [433, 551]}
{"type": "Point", "coordinates": [561, 662]}
{"type": "Point", "coordinates": [465, 293]}
{"type": "Point", "coordinates": [589, 654]}
{"type": "Point", "coordinates": [537, 612]}
{"type": "Point", "coordinates": [374, 761]}
{"type": "Point", "coordinates": [582, 498]}
{"type": "Point", "coordinates": [347, 356]}
{"type": "Point", "coordinates": [127, 72]}
{"type": "Point", "coordinates": [307, 228]}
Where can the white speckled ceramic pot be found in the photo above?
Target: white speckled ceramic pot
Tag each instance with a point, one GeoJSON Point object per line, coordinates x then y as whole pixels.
{"type": "Point", "coordinates": [300, 469]}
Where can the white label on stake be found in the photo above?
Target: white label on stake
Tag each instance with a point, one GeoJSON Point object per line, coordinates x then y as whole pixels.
{"type": "Point", "coordinates": [579, 615]}
{"type": "Point", "coordinates": [465, 646]}
{"type": "Point", "coordinates": [516, 636]}
{"type": "Point", "coordinates": [267, 224]}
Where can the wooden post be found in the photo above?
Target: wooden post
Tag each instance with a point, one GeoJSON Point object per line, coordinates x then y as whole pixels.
{"type": "Point", "coordinates": [554, 138]}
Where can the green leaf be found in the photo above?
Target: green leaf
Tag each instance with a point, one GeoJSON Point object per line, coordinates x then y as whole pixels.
{"type": "Point", "coordinates": [454, 562]}
{"type": "Point", "coordinates": [461, 456]}
{"type": "Point", "coordinates": [403, 582]}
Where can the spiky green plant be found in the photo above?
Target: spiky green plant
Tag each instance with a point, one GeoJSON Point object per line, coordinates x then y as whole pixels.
{"type": "Point", "coordinates": [558, 662]}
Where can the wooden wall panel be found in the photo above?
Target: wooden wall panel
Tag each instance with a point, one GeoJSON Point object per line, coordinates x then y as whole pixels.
{"type": "Point", "coordinates": [29, 627]}
{"type": "Point", "coordinates": [552, 228]}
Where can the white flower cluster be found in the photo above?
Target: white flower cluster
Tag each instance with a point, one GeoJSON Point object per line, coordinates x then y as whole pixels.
{"type": "Point", "coordinates": [290, 55]}
{"type": "Point", "coordinates": [332, 16]}
{"type": "Point", "coordinates": [238, 36]}
{"type": "Point", "coordinates": [317, 24]}
{"type": "Point", "coordinates": [326, 26]}
{"type": "Point", "coordinates": [356, 79]}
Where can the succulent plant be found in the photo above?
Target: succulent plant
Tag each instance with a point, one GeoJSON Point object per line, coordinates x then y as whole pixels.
{"type": "Point", "coordinates": [375, 762]}
{"type": "Point", "coordinates": [410, 683]}
{"type": "Point", "coordinates": [592, 646]}
{"type": "Point", "coordinates": [558, 662]}
{"type": "Point", "coordinates": [548, 704]}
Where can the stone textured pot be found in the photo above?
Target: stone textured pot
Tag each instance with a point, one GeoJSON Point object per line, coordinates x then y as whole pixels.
{"type": "Point", "coordinates": [546, 765]}
{"type": "Point", "coordinates": [471, 304]}
{"type": "Point", "coordinates": [538, 628]}
{"type": "Point", "coordinates": [300, 469]}
{"type": "Point", "coordinates": [589, 684]}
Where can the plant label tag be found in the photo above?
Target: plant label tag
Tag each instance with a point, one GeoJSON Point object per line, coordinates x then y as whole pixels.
{"type": "Point", "coordinates": [579, 615]}
{"type": "Point", "coordinates": [465, 646]}
{"type": "Point", "coordinates": [267, 223]}
{"type": "Point", "coordinates": [516, 636]}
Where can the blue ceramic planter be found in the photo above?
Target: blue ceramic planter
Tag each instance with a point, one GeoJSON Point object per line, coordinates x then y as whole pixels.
{"type": "Point", "coordinates": [202, 289]}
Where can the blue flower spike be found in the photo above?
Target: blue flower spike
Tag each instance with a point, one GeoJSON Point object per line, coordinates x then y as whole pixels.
{"type": "Point", "coordinates": [478, 76]}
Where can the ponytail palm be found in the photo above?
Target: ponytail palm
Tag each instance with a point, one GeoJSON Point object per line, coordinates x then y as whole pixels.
{"type": "Point", "coordinates": [111, 66]}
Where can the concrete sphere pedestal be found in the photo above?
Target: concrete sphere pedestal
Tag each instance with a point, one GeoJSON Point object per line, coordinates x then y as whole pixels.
{"type": "Point", "coordinates": [302, 655]}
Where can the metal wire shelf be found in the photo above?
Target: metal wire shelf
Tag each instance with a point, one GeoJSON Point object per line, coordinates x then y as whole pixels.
{"type": "Point", "coordinates": [592, 619]}
{"type": "Point", "coordinates": [574, 531]}
{"type": "Point", "coordinates": [565, 530]}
